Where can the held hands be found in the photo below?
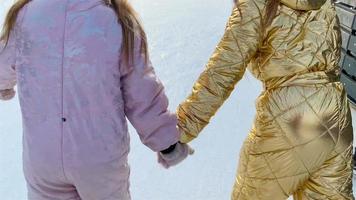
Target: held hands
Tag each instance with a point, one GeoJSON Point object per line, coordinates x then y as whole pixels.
{"type": "Point", "coordinates": [179, 153]}
{"type": "Point", "coordinates": [7, 94]}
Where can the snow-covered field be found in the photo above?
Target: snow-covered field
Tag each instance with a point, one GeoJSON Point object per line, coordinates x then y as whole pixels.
{"type": "Point", "coordinates": [182, 35]}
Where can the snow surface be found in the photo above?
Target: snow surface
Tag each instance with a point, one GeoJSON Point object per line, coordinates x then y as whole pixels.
{"type": "Point", "coordinates": [182, 35]}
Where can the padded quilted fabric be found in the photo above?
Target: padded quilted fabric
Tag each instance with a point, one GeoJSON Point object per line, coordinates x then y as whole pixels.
{"type": "Point", "coordinates": [301, 141]}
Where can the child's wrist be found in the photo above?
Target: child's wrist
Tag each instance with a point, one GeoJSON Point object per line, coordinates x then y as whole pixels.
{"type": "Point", "coordinates": [169, 149]}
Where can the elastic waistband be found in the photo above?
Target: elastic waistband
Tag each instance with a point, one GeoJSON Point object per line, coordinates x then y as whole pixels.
{"type": "Point", "coordinates": [306, 79]}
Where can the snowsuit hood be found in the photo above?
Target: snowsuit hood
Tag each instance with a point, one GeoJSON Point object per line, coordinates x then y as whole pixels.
{"type": "Point", "coordinates": [304, 5]}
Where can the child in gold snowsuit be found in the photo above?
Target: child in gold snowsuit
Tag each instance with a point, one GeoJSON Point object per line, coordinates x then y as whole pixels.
{"type": "Point", "coordinates": [301, 140]}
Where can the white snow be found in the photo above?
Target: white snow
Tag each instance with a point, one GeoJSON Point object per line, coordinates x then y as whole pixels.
{"type": "Point", "coordinates": [182, 35]}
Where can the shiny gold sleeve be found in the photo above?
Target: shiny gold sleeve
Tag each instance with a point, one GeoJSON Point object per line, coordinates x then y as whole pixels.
{"type": "Point", "coordinates": [225, 68]}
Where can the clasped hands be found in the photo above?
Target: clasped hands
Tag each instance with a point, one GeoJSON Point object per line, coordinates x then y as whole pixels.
{"type": "Point", "coordinates": [174, 155]}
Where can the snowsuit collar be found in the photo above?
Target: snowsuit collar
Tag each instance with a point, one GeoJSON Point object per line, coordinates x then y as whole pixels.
{"type": "Point", "coordinates": [304, 4]}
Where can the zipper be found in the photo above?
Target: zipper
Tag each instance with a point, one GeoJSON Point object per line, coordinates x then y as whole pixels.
{"type": "Point", "coordinates": [63, 119]}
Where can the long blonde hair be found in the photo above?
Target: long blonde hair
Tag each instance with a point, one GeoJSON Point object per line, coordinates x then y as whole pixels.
{"type": "Point", "coordinates": [10, 20]}
{"type": "Point", "coordinates": [127, 16]}
{"type": "Point", "coordinates": [131, 27]}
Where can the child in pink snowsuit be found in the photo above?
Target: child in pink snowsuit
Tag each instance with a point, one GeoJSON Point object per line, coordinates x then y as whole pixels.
{"type": "Point", "coordinates": [75, 93]}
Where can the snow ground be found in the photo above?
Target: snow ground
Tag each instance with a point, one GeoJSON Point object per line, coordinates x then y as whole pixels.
{"type": "Point", "coordinates": [182, 36]}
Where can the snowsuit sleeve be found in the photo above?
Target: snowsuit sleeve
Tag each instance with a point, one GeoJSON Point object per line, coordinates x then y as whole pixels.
{"type": "Point", "coordinates": [7, 64]}
{"type": "Point", "coordinates": [146, 104]}
{"type": "Point", "coordinates": [225, 68]}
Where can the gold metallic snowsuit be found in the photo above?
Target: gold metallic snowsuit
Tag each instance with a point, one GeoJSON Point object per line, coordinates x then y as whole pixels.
{"type": "Point", "coordinates": [301, 140]}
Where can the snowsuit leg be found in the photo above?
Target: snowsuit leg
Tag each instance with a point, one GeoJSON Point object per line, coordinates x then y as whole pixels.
{"type": "Point", "coordinates": [300, 152]}
{"type": "Point", "coordinates": [51, 191]}
{"type": "Point", "coordinates": [107, 181]}
{"type": "Point", "coordinates": [333, 180]}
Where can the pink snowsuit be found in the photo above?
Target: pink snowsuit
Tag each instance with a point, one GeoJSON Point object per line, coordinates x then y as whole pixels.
{"type": "Point", "coordinates": [75, 94]}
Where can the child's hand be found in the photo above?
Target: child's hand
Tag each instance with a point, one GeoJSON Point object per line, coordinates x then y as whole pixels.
{"type": "Point", "coordinates": [180, 153]}
{"type": "Point", "coordinates": [7, 94]}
